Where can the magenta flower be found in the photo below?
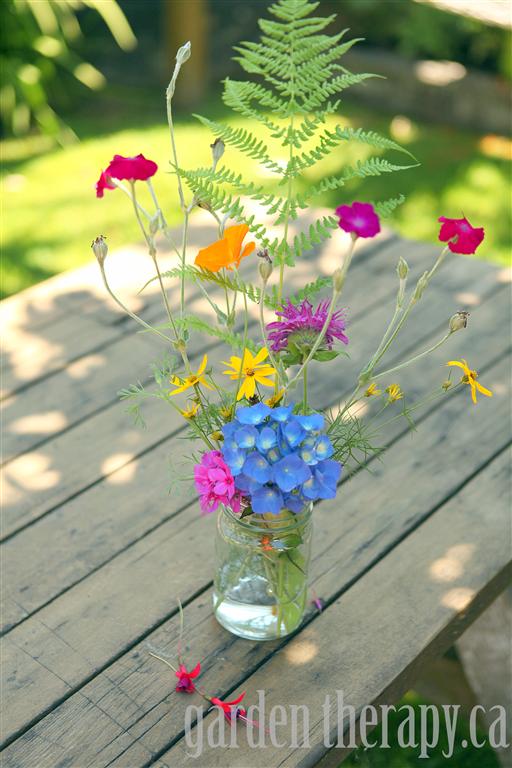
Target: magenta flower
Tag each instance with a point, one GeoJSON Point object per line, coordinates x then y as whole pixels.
{"type": "Point", "coordinates": [300, 325]}
{"type": "Point", "coordinates": [215, 483]}
{"type": "Point", "coordinates": [360, 219]}
{"type": "Point", "coordinates": [131, 168]}
{"type": "Point", "coordinates": [104, 182]}
{"type": "Point", "coordinates": [136, 168]}
{"type": "Point", "coordinates": [460, 235]}
{"type": "Point", "coordinates": [185, 682]}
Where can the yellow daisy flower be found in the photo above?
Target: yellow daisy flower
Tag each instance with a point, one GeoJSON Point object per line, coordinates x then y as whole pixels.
{"type": "Point", "coordinates": [254, 371]}
{"type": "Point", "coordinates": [470, 378]}
{"type": "Point", "coordinates": [373, 390]}
{"type": "Point", "coordinates": [275, 399]}
{"type": "Point", "coordinates": [191, 380]}
{"type": "Point", "coordinates": [191, 411]}
{"type": "Point", "coordinates": [394, 392]}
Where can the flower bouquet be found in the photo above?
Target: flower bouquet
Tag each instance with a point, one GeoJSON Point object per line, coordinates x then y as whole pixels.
{"type": "Point", "coordinates": [266, 453]}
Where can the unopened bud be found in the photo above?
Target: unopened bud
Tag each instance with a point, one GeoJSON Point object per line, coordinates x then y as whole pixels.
{"type": "Point", "coordinates": [265, 270]}
{"type": "Point", "coordinates": [402, 268]}
{"type": "Point", "coordinates": [217, 148]}
{"type": "Point", "coordinates": [100, 248]}
{"type": "Point", "coordinates": [338, 278]}
{"type": "Point", "coordinates": [458, 320]}
{"type": "Point", "coordinates": [262, 253]}
{"type": "Point", "coordinates": [154, 224]}
{"type": "Point", "coordinates": [420, 286]}
{"type": "Point", "coordinates": [184, 53]}
{"type": "Point", "coordinates": [446, 385]}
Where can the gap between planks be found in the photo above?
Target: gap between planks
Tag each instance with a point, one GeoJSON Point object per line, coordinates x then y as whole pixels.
{"type": "Point", "coordinates": [455, 407]}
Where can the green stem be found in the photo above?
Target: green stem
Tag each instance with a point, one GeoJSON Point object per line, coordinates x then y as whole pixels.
{"type": "Point", "coordinates": [128, 311]}
{"type": "Point", "coordinates": [413, 359]}
{"type": "Point", "coordinates": [305, 385]}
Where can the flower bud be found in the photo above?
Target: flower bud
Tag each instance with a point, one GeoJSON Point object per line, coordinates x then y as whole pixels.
{"type": "Point", "coordinates": [265, 270]}
{"type": "Point", "coordinates": [458, 320]}
{"type": "Point", "coordinates": [184, 53]}
{"type": "Point", "coordinates": [100, 248]}
{"type": "Point", "coordinates": [154, 224]}
{"type": "Point", "coordinates": [446, 385]}
{"type": "Point", "coordinates": [217, 148]}
{"type": "Point", "coordinates": [402, 268]}
{"type": "Point", "coordinates": [420, 286]}
{"type": "Point", "coordinates": [338, 278]}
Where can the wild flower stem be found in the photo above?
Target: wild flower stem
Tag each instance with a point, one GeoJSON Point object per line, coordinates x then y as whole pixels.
{"type": "Point", "coordinates": [128, 311]}
{"type": "Point", "coordinates": [413, 359]}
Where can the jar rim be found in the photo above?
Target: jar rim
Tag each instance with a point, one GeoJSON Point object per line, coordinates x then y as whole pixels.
{"type": "Point", "coordinates": [271, 522]}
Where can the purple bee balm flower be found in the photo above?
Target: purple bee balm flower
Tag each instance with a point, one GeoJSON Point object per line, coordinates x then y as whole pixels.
{"type": "Point", "coordinates": [300, 325]}
{"type": "Point", "coordinates": [359, 219]}
{"type": "Point", "coordinates": [215, 483]}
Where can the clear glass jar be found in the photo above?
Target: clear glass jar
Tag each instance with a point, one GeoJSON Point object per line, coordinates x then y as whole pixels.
{"type": "Point", "coordinates": [261, 574]}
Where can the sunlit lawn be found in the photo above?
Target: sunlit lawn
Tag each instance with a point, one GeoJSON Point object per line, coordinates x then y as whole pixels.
{"type": "Point", "coordinates": [51, 213]}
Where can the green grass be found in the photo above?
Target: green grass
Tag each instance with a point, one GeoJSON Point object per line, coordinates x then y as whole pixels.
{"type": "Point", "coordinates": [51, 213]}
{"type": "Point", "coordinates": [408, 757]}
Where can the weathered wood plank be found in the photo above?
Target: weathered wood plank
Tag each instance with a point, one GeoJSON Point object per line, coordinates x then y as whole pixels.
{"type": "Point", "coordinates": [91, 382]}
{"type": "Point", "coordinates": [112, 604]}
{"type": "Point", "coordinates": [81, 536]}
{"type": "Point", "coordinates": [460, 559]}
{"type": "Point", "coordinates": [37, 481]}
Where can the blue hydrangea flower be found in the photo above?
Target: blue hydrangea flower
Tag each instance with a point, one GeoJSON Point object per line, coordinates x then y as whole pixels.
{"type": "Point", "coordinates": [280, 460]}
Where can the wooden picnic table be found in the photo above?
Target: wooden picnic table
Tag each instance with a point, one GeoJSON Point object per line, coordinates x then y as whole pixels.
{"type": "Point", "coordinates": [96, 552]}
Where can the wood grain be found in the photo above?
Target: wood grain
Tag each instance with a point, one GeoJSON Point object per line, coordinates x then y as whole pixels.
{"type": "Point", "coordinates": [112, 600]}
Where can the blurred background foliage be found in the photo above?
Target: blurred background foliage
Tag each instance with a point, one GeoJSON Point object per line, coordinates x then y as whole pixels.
{"type": "Point", "coordinates": [83, 79]}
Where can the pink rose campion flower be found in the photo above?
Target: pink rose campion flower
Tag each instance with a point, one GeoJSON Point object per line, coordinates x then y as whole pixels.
{"type": "Point", "coordinates": [104, 182]}
{"type": "Point", "coordinates": [215, 483]}
{"type": "Point", "coordinates": [360, 219]}
{"type": "Point", "coordinates": [460, 235]}
{"type": "Point", "coordinates": [131, 168]}
{"type": "Point", "coordinates": [136, 168]}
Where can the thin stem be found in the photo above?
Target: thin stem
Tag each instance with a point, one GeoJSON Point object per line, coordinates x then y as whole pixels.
{"type": "Point", "coordinates": [156, 656]}
{"type": "Point", "coordinates": [319, 339]}
{"type": "Point", "coordinates": [305, 386]}
{"type": "Point", "coordinates": [413, 359]}
{"type": "Point", "coordinates": [152, 253]}
{"type": "Point", "coordinates": [287, 218]}
{"type": "Point", "coordinates": [127, 192]}
{"type": "Point", "coordinates": [246, 326]}
{"type": "Point", "coordinates": [128, 311]}
{"type": "Point", "coordinates": [174, 152]}
{"type": "Point", "coordinates": [264, 336]}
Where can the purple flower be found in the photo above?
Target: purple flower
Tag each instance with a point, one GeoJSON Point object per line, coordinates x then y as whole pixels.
{"type": "Point", "coordinates": [215, 483]}
{"type": "Point", "coordinates": [359, 219]}
{"type": "Point", "coordinates": [300, 325]}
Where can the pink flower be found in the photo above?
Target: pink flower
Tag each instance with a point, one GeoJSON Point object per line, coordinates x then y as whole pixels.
{"type": "Point", "coordinates": [460, 235]}
{"type": "Point", "coordinates": [300, 324]}
{"type": "Point", "coordinates": [359, 218]}
{"type": "Point", "coordinates": [131, 168]}
{"type": "Point", "coordinates": [230, 708]}
{"type": "Point", "coordinates": [185, 679]}
{"type": "Point", "coordinates": [104, 182]}
{"type": "Point", "coordinates": [215, 483]}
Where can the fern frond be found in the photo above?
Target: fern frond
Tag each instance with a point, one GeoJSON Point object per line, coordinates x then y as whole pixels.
{"type": "Point", "coordinates": [310, 290]}
{"type": "Point", "coordinates": [233, 339]}
{"type": "Point", "coordinates": [386, 207]}
{"type": "Point", "coordinates": [242, 140]}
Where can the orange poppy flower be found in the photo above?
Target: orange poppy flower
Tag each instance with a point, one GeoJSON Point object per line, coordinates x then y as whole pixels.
{"type": "Point", "coordinates": [227, 251]}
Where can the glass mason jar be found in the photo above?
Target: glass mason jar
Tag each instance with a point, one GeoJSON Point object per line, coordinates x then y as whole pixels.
{"type": "Point", "coordinates": [261, 574]}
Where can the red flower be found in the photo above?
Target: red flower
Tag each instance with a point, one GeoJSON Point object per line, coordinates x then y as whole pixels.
{"type": "Point", "coordinates": [131, 168]}
{"type": "Point", "coordinates": [359, 218]}
{"type": "Point", "coordinates": [460, 235]}
{"type": "Point", "coordinates": [104, 182]}
{"type": "Point", "coordinates": [230, 708]}
{"type": "Point", "coordinates": [185, 679]}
